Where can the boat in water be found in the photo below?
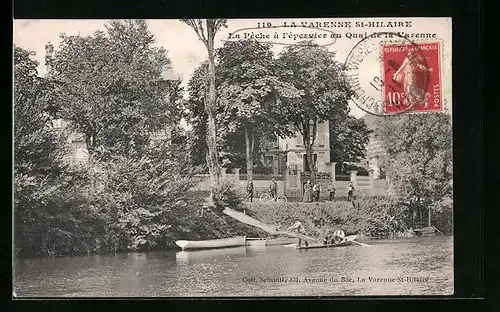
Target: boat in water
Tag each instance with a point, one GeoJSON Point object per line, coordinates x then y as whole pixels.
{"type": "Point", "coordinates": [212, 243]}
{"type": "Point", "coordinates": [348, 240]}
{"type": "Point", "coordinates": [426, 231]}
{"type": "Point", "coordinates": [271, 241]}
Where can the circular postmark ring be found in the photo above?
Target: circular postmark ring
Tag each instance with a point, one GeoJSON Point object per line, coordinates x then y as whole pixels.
{"type": "Point", "coordinates": [414, 57]}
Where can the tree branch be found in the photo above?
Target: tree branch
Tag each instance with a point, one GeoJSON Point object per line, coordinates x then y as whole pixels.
{"type": "Point", "coordinates": [198, 30]}
{"type": "Point", "coordinates": [202, 31]}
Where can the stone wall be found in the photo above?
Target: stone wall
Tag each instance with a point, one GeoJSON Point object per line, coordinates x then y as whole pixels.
{"type": "Point", "coordinates": [293, 184]}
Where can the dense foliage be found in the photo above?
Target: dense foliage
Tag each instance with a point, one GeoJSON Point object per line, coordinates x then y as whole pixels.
{"type": "Point", "coordinates": [419, 161]}
{"type": "Point", "coordinates": [110, 87]}
{"type": "Point", "coordinates": [383, 217]}
{"type": "Point", "coordinates": [49, 210]}
{"type": "Point", "coordinates": [348, 139]}
{"type": "Point", "coordinates": [251, 93]}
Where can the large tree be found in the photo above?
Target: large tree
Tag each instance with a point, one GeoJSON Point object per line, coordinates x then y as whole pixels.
{"type": "Point", "coordinates": [206, 31]}
{"type": "Point", "coordinates": [251, 92]}
{"type": "Point", "coordinates": [419, 159]}
{"type": "Point", "coordinates": [348, 139]}
{"type": "Point", "coordinates": [323, 87]}
{"type": "Point", "coordinates": [48, 214]}
{"type": "Point", "coordinates": [110, 87]}
{"type": "Point", "coordinates": [230, 137]}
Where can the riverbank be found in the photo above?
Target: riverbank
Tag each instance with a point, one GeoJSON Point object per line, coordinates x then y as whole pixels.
{"type": "Point", "coordinates": [369, 218]}
{"type": "Point", "coordinates": [375, 217]}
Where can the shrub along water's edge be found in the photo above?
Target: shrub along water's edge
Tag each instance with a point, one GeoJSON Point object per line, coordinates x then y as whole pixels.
{"type": "Point", "coordinates": [381, 217]}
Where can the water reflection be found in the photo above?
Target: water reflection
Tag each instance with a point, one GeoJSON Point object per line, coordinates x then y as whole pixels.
{"type": "Point", "coordinates": [185, 257]}
{"type": "Point", "coordinates": [229, 271]}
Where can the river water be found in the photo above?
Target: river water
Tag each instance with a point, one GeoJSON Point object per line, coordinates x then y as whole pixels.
{"type": "Point", "coordinates": [421, 266]}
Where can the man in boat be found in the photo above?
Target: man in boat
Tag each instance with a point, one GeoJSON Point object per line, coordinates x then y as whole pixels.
{"type": "Point", "coordinates": [273, 189]}
{"type": "Point", "coordinates": [338, 236]}
{"type": "Point", "coordinates": [250, 190]}
{"type": "Point", "coordinates": [327, 239]}
{"type": "Point", "coordinates": [298, 228]}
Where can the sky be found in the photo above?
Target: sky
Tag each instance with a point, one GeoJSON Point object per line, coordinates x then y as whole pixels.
{"type": "Point", "coordinates": [186, 51]}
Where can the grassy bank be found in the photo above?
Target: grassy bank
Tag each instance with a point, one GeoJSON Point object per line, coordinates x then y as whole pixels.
{"type": "Point", "coordinates": [371, 217]}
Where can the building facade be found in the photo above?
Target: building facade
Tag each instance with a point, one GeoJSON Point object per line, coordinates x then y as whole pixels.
{"type": "Point", "coordinates": [289, 154]}
{"type": "Point", "coordinates": [374, 148]}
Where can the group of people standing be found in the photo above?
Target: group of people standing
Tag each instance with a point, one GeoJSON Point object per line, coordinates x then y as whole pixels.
{"type": "Point", "coordinates": [311, 192]}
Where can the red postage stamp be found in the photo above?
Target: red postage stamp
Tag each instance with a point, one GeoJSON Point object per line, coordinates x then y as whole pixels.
{"type": "Point", "coordinates": [412, 76]}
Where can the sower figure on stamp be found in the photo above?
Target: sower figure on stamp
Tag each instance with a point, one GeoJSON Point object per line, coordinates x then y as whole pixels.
{"type": "Point", "coordinates": [408, 74]}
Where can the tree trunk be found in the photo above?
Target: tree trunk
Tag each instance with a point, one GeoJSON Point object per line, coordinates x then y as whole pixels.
{"type": "Point", "coordinates": [249, 153]}
{"type": "Point", "coordinates": [419, 216]}
{"type": "Point", "coordinates": [213, 160]}
{"type": "Point", "coordinates": [429, 217]}
{"type": "Point", "coordinates": [308, 145]}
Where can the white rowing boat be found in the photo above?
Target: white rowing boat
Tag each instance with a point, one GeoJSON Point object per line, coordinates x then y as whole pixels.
{"type": "Point", "coordinates": [212, 243]}
{"type": "Point", "coordinates": [270, 241]}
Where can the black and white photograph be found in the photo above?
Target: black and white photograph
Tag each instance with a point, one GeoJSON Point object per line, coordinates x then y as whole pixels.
{"type": "Point", "coordinates": [287, 157]}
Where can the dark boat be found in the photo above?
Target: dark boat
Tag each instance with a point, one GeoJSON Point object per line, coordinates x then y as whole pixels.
{"type": "Point", "coordinates": [348, 240]}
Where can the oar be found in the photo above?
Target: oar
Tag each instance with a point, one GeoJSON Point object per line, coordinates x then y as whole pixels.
{"type": "Point", "coordinates": [361, 244]}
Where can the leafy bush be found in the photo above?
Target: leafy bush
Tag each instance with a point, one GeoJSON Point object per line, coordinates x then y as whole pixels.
{"type": "Point", "coordinates": [51, 216]}
{"type": "Point", "coordinates": [140, 201]}
{"type": "Point", "coordinates": [228, 195]}
{"type": "Point", "coordinates": [442, 215]}
{"type": "Point", "coordinates": [372, 216]}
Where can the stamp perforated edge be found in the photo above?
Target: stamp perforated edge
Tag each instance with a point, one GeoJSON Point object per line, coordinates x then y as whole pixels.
{"type": "Point", "coordinates": [399, 40]}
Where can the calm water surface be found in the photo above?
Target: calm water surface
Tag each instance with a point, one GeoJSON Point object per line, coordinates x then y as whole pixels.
{"type": "Point", "coordinates": [247, 271]}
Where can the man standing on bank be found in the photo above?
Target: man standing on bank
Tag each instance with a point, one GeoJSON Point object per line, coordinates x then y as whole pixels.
{"type": "Point", "coordinates": [307, 198]}
{"type": "Point", "coordinates": [250, 190]}
{"type": "Point", "coordinates": [332, 190]}
{"type": "Point", "coordinates": [316, 191]}
{"type": "Point", "coordinates": [273, 188]}
{"type": "Point", "coordinates": [350, 192]}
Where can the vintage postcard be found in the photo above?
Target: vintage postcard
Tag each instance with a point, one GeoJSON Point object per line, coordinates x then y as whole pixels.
{"type": "Point", "coordinates": [233, 157]}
